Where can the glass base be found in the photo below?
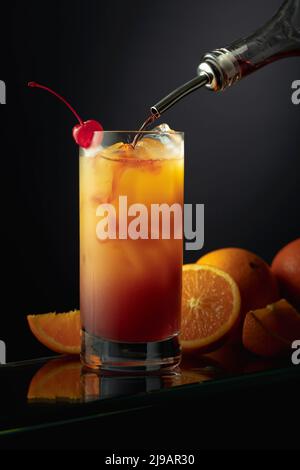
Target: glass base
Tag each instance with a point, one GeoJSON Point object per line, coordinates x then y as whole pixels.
{"type": "Point", "coordinates": [112, 356]}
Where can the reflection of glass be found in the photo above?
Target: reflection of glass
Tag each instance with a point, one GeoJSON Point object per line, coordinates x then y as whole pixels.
{"type": "Point", "coordinates": [114, 386]}
{"type": "Point", "coordinates": [62, 387]}
{"type": "Point", "coordinates": [130, 288]}
{"type": "Point", "coordinates": [66, 380]}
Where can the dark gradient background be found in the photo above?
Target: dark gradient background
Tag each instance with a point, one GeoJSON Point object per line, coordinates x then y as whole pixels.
{"type": "Point", "coordinates": [113, 60]}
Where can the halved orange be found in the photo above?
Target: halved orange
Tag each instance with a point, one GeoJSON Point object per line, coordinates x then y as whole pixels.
{"type": "Point", "coordinates": [210, 307]}
{"type": "Point", "coordinates": [270, 331]}
{"type": "Point", "coordinates": [60, 332]}
{"type": "Point", "coordinates": [256, 282]}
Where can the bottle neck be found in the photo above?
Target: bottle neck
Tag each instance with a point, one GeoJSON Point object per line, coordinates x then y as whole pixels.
{"type": "Point", "coordinates": [221, 68]}
{"type": "Point", "coordinates": [277, 39]}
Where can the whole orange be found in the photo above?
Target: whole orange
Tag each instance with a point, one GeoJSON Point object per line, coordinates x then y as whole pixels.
{"type": "Point", "coordinates": [286, 267]}
{"type": "Point", "coordinates": [257, 284]}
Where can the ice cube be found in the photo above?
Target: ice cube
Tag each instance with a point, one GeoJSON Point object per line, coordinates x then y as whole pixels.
{"type": "Point", "coordinates": [160, 143]}
{"type": "Point", "coordinates": [118, 151]}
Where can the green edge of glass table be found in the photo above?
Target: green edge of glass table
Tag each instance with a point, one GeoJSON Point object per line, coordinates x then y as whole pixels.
{"type": "Point", "coordinates": [45, 392]}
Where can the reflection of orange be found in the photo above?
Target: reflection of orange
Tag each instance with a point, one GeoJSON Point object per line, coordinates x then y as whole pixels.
{"type": "Point", "coordinates": [194, 376]}
{"type": "Point", "coordinates": [270, 331]}
{"type": "Point", "coordinates": [286, 267]}
{"type": "Point", "coordinates": [210, 307]}
{"type": "Point", "coordinates": [60, 332]}
{"type": "Point", "coordinates": [57, 379]}
{"type": "Point", "coordinates": [253, 276]}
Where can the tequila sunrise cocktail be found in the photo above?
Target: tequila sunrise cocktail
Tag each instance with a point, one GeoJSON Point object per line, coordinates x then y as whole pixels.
{"type": "Point", "coordinates": [131, 204]}
{"type": "Point", "coordinates": [130, 259]}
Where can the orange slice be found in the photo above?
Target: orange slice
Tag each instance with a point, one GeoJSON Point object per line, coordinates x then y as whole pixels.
{"type": "Point", "coordinates": [210, 307]}
{"type": "Point", "coordinates": [60, 332]}
{"type": "Point", "coordinates": [270, 331]}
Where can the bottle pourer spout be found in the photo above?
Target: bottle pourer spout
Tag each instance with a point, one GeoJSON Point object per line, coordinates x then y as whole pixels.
{"type": "Point", "coordinates": [159, 108]}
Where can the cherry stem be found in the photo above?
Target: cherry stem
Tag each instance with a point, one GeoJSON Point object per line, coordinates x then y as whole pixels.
{"type": "Point", "coordinates": [43, 87]}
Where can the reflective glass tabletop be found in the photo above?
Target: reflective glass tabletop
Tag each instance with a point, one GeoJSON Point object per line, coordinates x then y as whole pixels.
{"type": "Point", "coordinates": [51, 391]}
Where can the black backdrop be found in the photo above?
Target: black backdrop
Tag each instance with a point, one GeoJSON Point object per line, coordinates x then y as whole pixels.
{"type": "Point", "coordinates": [113, 60]}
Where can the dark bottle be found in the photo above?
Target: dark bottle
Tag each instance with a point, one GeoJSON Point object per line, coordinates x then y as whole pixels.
{"type": "Point", "coordinates": [221, 68]}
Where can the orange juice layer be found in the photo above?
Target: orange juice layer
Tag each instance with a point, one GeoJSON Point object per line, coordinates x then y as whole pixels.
{"type": "Point", "coordinates": [130, 289]}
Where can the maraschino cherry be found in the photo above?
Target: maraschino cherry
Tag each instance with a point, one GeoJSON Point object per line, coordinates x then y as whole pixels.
{"type": "Point", "coordinates": [83, 133]}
